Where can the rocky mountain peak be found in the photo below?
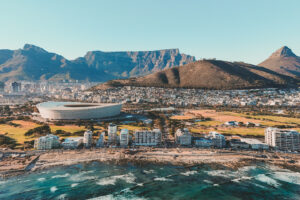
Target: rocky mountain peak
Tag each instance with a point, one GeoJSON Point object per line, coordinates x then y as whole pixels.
{"type": "Point", "coordinates": [31, 47]}
{"type": "Point", "coordinates": [283, 52]}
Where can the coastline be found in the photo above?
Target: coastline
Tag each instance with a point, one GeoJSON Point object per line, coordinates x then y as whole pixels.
{"type": "Point", "coordinates": [187, 157]}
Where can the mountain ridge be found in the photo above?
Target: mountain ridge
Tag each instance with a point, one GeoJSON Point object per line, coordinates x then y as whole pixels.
{"type": "Point", "coordinates": [35, 63]}
{"type": "Point", "coordinates": [208, 74]}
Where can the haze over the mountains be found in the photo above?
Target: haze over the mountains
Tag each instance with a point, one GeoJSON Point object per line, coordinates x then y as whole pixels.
{"type": "Point", "coordinates": [35, 63]}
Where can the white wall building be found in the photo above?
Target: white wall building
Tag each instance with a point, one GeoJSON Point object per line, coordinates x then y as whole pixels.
{"type": "Point", "coordinates": [183, 137]}
{"type": "Point", "coordinates": [72, 142]}
{"type": "Point", "coordinates": [255, 144]}
{"type": "Point", "coordinates": [88, 138]}
{"type": "Point", "coordinates": [218, 140]}
{"type": "Point", "coordinates": [47, 142]}
{"type": "Point", "coordinates": [76, 110]}
{"type": "Point", "coordinates": [148, 138]}
{"type": "Point", "coordinates": [112, 133]}
{"type": "Point", "coordinates": [124, 137]}
{"type": "Point", "coordinates": [286, 140]}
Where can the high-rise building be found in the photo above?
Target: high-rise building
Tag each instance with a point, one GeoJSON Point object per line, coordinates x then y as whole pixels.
{"type": "Point", "coordinates": [101, 140]}
{"type": "Point", "coordinates": [16, 87]}
{"type": "Point", "coordinates": [285, 140]}
{"type": "Point", "coordinates": [183, 137]}
{"type": "Point", "coordinates": [124, 137]}
{"type": "Point", "coordinates": [112, 133]}
{"type": "Point", "coordinates": [47, 142]}
{"type": "Point", "coordinates": [88, 138]}
{"type": "Point", "coordinates": [218, 140]}
{"type": "Point", "coordinates": [148, 138]}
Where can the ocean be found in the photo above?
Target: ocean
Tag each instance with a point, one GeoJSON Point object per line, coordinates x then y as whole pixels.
{"type": "Point", "coordinates": [110, 181]}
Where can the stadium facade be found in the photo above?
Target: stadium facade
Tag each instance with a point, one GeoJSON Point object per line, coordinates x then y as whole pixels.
{"type": "Point", "coordinates": [52, 110]}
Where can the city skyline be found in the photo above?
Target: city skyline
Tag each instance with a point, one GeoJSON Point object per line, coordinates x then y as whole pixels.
{"type": "Point", "coordinates": [231, 30]}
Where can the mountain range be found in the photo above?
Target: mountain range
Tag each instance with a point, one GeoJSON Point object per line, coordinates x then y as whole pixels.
{"type": "Point", "coordinates": [161, 68]}
{"type": "Point", "coordinates": [34, 63]}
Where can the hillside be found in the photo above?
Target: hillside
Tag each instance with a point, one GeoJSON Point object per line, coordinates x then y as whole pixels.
{"type": "Point", "coordinates": [35, 63]}
{"type": "Point", "coordinates": [209, 74]}
{"type": "Point", "coordinates": [283, 61]}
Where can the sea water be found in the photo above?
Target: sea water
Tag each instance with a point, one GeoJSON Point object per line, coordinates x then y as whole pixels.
{"type": "Point", "coordinates": [108, 181]}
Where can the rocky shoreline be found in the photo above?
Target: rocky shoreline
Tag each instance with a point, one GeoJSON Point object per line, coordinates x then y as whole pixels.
{"type": "Point", "coordinates": [189, 158]}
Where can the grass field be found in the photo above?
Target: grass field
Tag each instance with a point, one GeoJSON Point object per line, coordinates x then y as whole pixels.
{"type": "Point", "coordinates": [209, 123]}
{"type": "Point", "coordinates": [233, 131]}
{"type": "Point", "coordinates": [267, 118]}
{"type": "Point", "coordinates": [133, 128]}
{"type": "Point", "coordinates": [182, 117]}
{"type": "Point", "coordinates": [219, 118]}
{"type": "Point", "coordinates": [17, 133]}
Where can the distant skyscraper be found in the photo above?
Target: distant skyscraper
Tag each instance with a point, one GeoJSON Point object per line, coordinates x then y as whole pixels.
{"type": "Point", "coordinates": [112, 133]}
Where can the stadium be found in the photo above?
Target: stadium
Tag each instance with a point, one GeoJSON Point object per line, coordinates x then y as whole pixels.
{"type": "Point", "coordinates": [52, 110]}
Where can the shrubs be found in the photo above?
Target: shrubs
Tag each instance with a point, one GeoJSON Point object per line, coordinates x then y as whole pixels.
{"type": "Point", "coordinates": [38, 131]}
{"type": "Point", "coordinates": [6, 141]}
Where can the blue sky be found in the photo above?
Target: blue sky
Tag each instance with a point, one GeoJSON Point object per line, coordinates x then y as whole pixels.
{"type": "Point", "coordinates": [233, 30]}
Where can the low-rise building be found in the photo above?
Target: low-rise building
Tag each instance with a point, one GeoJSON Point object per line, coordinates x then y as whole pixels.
{"type": "Point", "coordinates": [218, 140]}
{"type": "Point", "coordinates": [72, 142]}
{"type": "Point", "coordinates": [147, 138]}
{"type": "Point", "coordinates": [238, 144]}
{"type": "Point", "coordinates": [202, 142]}
{"type": "Point", "coordinates": [255, 144]}
{"type": "Point", "coordinates": [47, 142]}
{"type": "Point", "coordinates": [285, 140]}
{"type": "Point", "coordinates": [183, 137]}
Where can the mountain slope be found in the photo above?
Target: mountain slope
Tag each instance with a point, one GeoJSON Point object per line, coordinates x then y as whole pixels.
{"type": "Point", "coordinates": [35, 63]}
{"type": "Point", "coordinates": [283, 61]}
{"type": "Point", "coordinates": [209, 74]}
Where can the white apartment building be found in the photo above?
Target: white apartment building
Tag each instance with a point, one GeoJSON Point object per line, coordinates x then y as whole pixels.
{"type": "Point", "coordinates": [47, 142]}
{"type": "Point", "coordinates": [88, 138]}
{"type": "Point", "coordinates": [183, 137]}
{"type": "Point", "coordinates": [112, 133]}
{"type": "Point", "coordinates": [124, 137]}
{"type": "Point", "coordinates": [218, 140]}
{"type": "Point", "coordinates": [72, 142]}
{"type": "Point", "coordinates": [285, 140]}
{"type": "Point", "coordinates": [148, 138]}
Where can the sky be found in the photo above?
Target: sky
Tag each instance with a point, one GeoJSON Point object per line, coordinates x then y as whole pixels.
{"type": "Point", "coordinates": [232, 30]}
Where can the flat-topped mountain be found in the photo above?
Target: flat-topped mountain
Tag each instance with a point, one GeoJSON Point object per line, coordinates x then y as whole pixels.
{"type": "Point", "coordinates": [283, 61]}
{"type": "Point", "coordinates": [35, 63]}
{"type": "Point", "coordinates": [209, 74]}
